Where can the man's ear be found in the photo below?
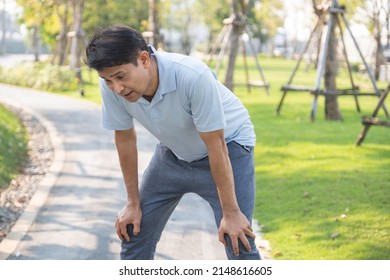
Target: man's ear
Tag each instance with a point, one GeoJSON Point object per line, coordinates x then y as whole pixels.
{"type": "Point", "coordinates": [145, 58]}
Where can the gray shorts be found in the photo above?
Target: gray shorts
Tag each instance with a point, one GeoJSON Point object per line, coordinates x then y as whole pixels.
{"type": "Point", "coordinates": [167, 179]}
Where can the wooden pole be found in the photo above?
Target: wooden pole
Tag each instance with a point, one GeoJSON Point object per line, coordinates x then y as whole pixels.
{"type": "Point", "coordinates": [285, 90]}
{"type": "Point", "coordinates": [364, 61]}
{"type": "Point", "coordinates": [348, 64]}
{"type": "Point", "coordinates": [367, 126]}
{"type": "Point", "coordinates": [321, 66]}
{"type": "Point", "coordinates": [257, 61]}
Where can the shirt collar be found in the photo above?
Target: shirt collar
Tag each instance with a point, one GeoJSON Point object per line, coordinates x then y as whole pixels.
{"type": "Point", "coordinates": [166, 74]}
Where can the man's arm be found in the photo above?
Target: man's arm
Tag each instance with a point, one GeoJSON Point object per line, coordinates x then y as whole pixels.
{"type": "Point", "coordinates": [234, 223]}
{"type": "Point", "coordinates": [126, 145]}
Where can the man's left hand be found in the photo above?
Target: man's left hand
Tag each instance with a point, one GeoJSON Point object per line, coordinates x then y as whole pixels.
{"type": "Point", "coordinates": [237, 226]}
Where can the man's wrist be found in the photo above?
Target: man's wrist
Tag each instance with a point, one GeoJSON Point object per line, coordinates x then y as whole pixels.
{"type": "Point", "coordinates": [230, 211]}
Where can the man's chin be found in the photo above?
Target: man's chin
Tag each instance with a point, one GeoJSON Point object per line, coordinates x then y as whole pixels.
{"type": "Point", "coordinates": [131, 98]}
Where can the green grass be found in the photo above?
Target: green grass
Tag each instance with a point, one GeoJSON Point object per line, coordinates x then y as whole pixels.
{"type": "Point", "coordinates": [90, 86]}
{"type": "Point", "coordinates": [318, 195]}
{"type": "Point", "coordinates": [308, 175]}
{"type": "Point", "coordinates": [13, 146]}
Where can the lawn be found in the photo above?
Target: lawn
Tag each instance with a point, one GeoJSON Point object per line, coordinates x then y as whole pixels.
{"type": "Point", "coordinates": [318, 195]}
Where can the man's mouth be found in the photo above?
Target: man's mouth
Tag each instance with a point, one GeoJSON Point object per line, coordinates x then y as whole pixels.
{"type": "Point", "coordinates": [127, 94]}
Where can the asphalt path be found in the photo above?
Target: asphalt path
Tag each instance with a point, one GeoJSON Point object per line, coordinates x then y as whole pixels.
{"type": "Point", "coordinates": [72, 214]}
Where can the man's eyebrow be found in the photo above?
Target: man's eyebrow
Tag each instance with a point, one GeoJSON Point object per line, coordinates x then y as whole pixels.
{"type": "Point", "coordinates": [116, 73]}
{"type": "Point", "coordinates": [112, 75]}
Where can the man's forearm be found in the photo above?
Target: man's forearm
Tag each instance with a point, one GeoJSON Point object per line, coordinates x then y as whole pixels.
{"type": "Point", "coordinates": [222, 173]}
{"type": "Point", "coordinates": [128, 158]}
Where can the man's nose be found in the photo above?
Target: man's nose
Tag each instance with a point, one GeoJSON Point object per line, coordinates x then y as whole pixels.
{"type": "Point", "coordinates": [118, 87]}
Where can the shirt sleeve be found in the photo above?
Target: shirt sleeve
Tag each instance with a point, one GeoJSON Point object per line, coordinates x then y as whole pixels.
{"type": "Point", "coordinates": [206, 103]}
{"type": "Point", "coordinates": [114, 114]}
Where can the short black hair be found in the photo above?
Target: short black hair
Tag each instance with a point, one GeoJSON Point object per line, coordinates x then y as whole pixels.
{"type": "Point", "coordinates": [114, 46]}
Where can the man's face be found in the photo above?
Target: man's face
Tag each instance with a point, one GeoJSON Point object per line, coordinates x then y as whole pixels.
{"type": "Point", "coordinates": [130, 81]}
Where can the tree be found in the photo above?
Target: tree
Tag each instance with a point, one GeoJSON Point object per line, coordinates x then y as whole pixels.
{"type": "Point", "coordinates": [269, 16]}
{"type": "Point", "coordinates": [178, 17]}
{"type": "Point", "coordinates": [378, 12]}
{"type": "Point", "coordinates": [374, 8]}
{"type": "Point", "coordinates": [62, 11]}
{"type": "Point", "coordinates": [186, 20]}
{"type": "Point", "coordinates": [77, 37]}
{"type": "Point", "coordinates": [239, 10]}
{"type": "Point", "coordinates": [52, 20]}
{"type": "Point", "coordinates": [35, 13]}
{"type": "Point", "coordinates": [332, 111]}
{"type": "Point", "coordinates": [213, 13]}
{"type": "Point", "coordinates": [154, 23]}
{"type": "Point", "coordinates": [133, 13]}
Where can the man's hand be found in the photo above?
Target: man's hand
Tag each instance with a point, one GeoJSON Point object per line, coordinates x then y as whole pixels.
{"type": "Point", "coordinates": [236, 225]}
{"type": "Point", "coordinates": [130, 214]}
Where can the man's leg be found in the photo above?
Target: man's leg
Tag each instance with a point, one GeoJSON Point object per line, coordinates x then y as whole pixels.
{"type": "Point", "coordinates": [243, 171]}
{"type": "Point", "coordinates": [159, 194]}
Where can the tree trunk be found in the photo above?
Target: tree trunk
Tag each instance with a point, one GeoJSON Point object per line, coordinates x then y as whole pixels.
{"type": "Point", "coordinates": [75, 53]}
{"type": "Point", "coordinates": [63, 39]}
{"type": "Point", "coordinates": [237, 30]}
{"type": "Point", "coordinates": [154, 23]}
{"type": "Point", "coordinates": [234, 40]}
{"type": "Point", "coordinates": [186, 39]}
{"type": "Point", "coordinates": [378, 54]}
{"type": "Point", "coordinates": [35, 42]}
{"type": "Point", "coordinates": [331, 102]}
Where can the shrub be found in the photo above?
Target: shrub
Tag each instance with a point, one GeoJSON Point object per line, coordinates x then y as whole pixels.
{"type": "Point", "coordinates": [42, 76]}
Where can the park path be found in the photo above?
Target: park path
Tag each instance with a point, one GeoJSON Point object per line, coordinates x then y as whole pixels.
{"type": "Point", "coordinates": [72, 214]}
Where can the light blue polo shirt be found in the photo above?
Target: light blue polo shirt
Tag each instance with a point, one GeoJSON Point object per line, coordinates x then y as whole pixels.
{"type": "Point", "coordinates": [189, 99]}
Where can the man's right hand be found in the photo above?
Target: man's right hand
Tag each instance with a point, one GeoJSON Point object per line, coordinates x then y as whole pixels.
{"type": "Point", "coordinates": [130, 214]}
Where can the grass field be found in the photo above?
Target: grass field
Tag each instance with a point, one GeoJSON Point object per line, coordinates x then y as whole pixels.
{"type": "Point", "coordinates": [318, 195]}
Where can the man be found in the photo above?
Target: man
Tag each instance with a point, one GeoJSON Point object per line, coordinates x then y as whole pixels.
{"type": "Point", "coordinates": [205, 133]}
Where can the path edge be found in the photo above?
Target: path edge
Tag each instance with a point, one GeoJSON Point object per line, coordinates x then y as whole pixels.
{"type": "Point", "coordinates": [10, 243]}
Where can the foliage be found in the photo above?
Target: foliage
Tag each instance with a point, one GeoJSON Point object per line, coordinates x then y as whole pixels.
{"type": "Point", "coordinates": [351, 5]}
{"type": "Point", "coordinates": [174, 15]}
{"type": "Point", "coordinates": [39, 14]}
{"type": "Point", "coordinates": [104, 13]}
{"type": "Point", "coordinates": [46, 15]}
{"type": "Point", "coordinates": [13, 146]}
{"type": "Point", "coordinates": [178, 16]}
{"type": "Point", "coordinates": [213, 13]}
{"type": "Point", "coordinates": [42, 76]}
{"type": "Point", "coordinates": [263, 17]}
{"type": "Point", "coordinates": [269, 15]}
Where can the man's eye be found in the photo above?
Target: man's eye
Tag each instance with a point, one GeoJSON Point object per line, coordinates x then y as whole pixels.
{"type": "Point", "coordinates": [120, 77]}
{"type": "Point", "coordinates": [108, 82]}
